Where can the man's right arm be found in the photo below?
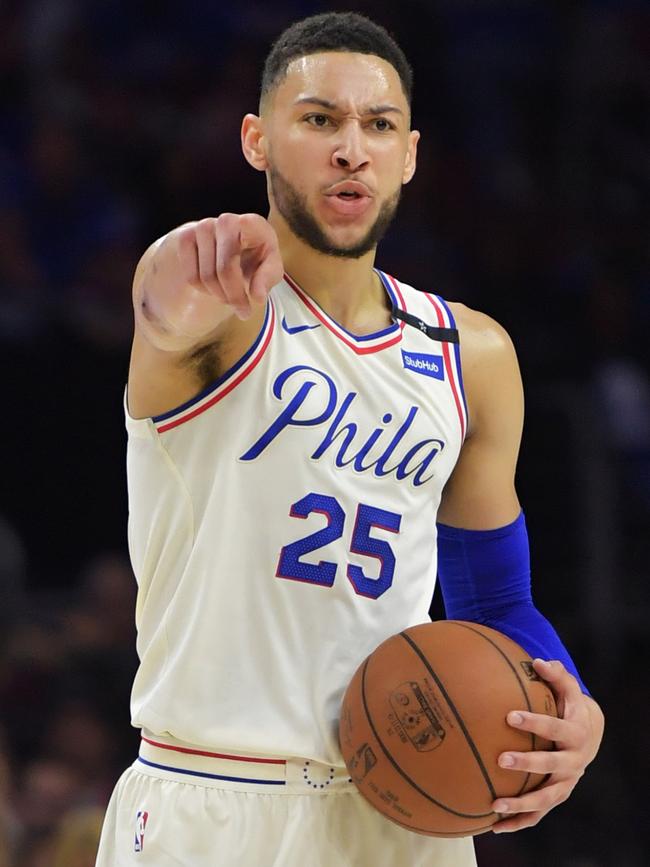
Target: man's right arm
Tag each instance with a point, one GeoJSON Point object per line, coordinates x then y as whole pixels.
{"type": "Point", "coordinates": [204, 282]}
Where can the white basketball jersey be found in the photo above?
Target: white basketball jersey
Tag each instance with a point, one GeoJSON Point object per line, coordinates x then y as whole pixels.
{"type": "Point", "coordinates": [283, 523]}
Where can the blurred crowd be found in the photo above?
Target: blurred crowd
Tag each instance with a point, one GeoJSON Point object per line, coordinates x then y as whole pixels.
{"type": "Point", "coordinates": [120, 120]}
{"type": "Point", "coordinates": [67, 662]}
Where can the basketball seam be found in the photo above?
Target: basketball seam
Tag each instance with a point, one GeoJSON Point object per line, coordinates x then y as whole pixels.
{"type": "Point", "coordinates": [397, 767]}
{"type": "Point", "coordinates": [521, 684]}
{"type": "Point", "coordinates": [454, 710]}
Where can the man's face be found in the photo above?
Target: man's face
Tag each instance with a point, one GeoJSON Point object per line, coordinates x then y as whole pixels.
{"type": "Point", "coordinates": [338, 148]}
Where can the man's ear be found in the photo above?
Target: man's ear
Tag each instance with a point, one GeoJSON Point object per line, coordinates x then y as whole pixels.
{"type": "Point", "coordinates": [411, 156]}
{"type": "Point", "coordinates": [253, 142]}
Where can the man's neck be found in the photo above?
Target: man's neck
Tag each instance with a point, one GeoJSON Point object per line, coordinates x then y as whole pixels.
{"type": "Point", "coordinates": [349, 290]}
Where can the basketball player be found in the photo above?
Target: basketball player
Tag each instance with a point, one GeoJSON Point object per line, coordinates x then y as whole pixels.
{"type": "Point", "coordinates": [298, 421]}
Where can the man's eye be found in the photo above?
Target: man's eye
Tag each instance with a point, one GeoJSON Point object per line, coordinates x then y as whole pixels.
{"type": "Point", "coordinates": [318, 119]}
{"type": "Point", "coordinates": [382, 125]}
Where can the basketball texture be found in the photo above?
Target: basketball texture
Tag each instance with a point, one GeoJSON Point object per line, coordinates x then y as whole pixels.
{"type": "Point", "coordinates": [423, 722]}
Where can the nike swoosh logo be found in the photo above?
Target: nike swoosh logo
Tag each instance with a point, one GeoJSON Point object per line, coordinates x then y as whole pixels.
{"type": "Point", "coordinates": [296, 329]}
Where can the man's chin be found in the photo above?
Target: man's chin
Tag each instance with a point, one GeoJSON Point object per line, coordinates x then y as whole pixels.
{"type": "Point", "coordinates": [346, 249]}
{"type": "Point", "coordinates": [351, 239]}
{"type": "Point", "coordinates": [351, 245]}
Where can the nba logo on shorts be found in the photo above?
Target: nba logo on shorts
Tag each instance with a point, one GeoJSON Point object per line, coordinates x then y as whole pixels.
{"type": "Point", "coordinates": [140, 825]}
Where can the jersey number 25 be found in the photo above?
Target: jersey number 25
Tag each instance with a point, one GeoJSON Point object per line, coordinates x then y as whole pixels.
{"type": "Point", "coordinates": [324, 572]}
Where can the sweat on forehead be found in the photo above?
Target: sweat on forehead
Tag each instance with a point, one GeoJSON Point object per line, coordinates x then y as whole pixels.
{"type": "Point", "coordinates": [342, 81]}
{"type": "Point", "coordinates": [335, 80]}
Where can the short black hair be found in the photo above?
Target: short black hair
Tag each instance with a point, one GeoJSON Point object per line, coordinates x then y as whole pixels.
{"type": "Point", "coordinates": [334, 31]}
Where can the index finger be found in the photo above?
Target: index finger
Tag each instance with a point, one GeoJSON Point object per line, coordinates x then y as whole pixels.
{"type": "Point", "coordinates": [267, 275]}
{"type": "Point", "coordinates": [255, 231]}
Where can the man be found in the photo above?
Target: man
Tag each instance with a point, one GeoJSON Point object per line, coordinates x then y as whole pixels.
{"type": "Point", "coordinates": [297, 423]}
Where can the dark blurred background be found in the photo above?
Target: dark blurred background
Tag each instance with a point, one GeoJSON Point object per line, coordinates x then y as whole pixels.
{"type": "Point", "coordinates": [120, 120]}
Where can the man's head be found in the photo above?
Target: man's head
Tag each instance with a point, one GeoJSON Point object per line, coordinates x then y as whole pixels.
{"type": "Point", "coordinates": [334, 133]}
{"type": "Point", "coordinates": [333, 31]}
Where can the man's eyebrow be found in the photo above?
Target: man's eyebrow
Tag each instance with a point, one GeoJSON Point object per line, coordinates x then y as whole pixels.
{"type": "Point", "coordinates": [332, 106]}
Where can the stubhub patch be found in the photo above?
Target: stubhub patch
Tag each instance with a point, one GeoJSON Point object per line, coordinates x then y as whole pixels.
{"type": "Point", "coordinates": [420, 362]}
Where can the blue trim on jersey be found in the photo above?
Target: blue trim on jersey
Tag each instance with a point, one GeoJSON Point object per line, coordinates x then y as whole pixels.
{"type": "Point", "coordinates": [363, 337]}
{"type": "Point", "coordinates": [376, 334]}
{"type": "Point", "coordinates": [212, 776]}
{"type": "Point", "coordinates": [217, 382]}
{"type": "Point", "coordinates": [391, 292]}
{"type": "Point", "coordinates": [458, 364]}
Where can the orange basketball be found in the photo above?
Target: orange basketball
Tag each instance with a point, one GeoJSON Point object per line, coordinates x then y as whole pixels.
{"type": "Point", "coordinates": [423, 722]}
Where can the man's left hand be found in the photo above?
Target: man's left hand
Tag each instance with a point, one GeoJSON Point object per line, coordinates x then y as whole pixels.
{"type": "Point", "coordinates": [576, 732]}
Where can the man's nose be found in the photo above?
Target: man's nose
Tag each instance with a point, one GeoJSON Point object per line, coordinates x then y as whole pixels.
{"type": "Point", "coordinates": [351, 152]}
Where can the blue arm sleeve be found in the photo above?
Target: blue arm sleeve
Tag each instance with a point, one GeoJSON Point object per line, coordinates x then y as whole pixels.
{"type": "Point", "coordinates": [485, 577]}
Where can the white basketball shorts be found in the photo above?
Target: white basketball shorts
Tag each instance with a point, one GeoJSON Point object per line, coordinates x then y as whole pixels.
{"type": "Point", "coordinates": [181, 806]}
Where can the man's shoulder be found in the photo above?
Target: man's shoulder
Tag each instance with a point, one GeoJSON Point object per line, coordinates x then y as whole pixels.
{"type": "Point", "coordinates": [482, 338]}
{"type": "Point", "coordinates": [490, 367]}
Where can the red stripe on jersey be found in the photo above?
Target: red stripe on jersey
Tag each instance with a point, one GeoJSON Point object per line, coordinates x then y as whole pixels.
{"type": "Point", "coordinates": [450, 372]}
{"type": "Point", "coordinates": [329, 324]}
{"type": "Point", "coordinates": [398, 292]}
{"type": "Point", "coordinates": [229, 387]}
{"type": "Point", "coordinates": [192, 752]}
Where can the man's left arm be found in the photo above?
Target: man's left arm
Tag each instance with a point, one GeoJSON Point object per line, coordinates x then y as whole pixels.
{"type": "Point", "coordinates": [487, 578]}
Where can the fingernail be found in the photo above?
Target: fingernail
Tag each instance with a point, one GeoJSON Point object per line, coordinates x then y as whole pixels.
{"type": "Point", "coordinates": [500, 807]}
{"type": "Point", "coordinates": [506, 761]}
{"type": "Point", "coordinates": [545, 662]}
{"type": "Point", "coordinates": [515, 718]}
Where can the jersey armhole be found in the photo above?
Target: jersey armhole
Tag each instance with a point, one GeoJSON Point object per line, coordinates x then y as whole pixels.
{"type": "Point", "coordinates": [223, 385]}
{"type": "Point", "coordinates": [142, 428]}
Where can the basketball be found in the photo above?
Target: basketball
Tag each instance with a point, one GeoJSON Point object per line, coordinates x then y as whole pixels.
{"type": "Point", "coordinates": [423, 722]}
